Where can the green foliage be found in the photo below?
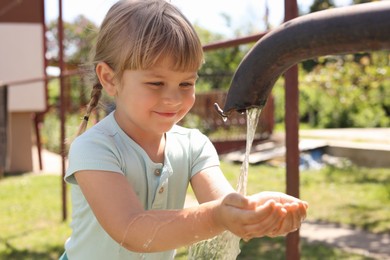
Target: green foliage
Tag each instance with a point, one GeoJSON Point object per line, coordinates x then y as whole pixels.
{"type": "Point", "coordinates": [50, 130]}
{"type": "Point", "coordinates": [341, 91]}
{"type": "Point", "coordinates": [335, 91]}
{"type": "Point", "coordinates": [53, 89]}
{"type": "Point", "coordinates": [319, 5]}
{"type": "Point", "coordinates": [79, 37]}
{"type": "Point", "coordinates": [347, 93]}
{"type": "Point", "coordinates": [220, 64]}
{"type": "Point", "coordinates": [344, 91]}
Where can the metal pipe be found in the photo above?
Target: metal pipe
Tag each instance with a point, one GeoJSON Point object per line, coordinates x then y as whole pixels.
{"type": "Point", "coordinates": [234, 42]}
{"type": "Point", "coordinates": [40, 79]}
{"type": "Point", "coordinates": [351, 29]}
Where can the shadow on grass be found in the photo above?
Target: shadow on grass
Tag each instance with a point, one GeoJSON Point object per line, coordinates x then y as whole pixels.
{"type": "Point", "coordinates": [50, 253]}
{"type": "Point", "coordinates": [13, 251]}
{"type": "Point", "coordinates": [275, 249]}
{"type": "Point", "coordinates": [263, 248]}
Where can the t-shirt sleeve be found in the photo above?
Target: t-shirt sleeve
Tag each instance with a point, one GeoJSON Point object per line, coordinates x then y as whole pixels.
{"type": "Point", "coordinates": [203, 151]}
{"type": "Point", "coordinates": [91, 154]}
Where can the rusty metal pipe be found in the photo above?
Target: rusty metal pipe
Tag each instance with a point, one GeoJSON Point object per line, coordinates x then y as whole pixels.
{"type": "Point", "coordinates": [351, 29]}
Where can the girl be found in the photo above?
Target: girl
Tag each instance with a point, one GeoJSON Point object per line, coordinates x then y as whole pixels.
{"type": "Point", "coordinates": [130, 172]}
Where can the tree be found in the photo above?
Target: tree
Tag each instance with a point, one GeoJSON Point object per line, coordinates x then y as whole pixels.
{"type": "Point", "coordinates": [346, 93]}
{"type": "Point", "coordinates": [319, 5]}
{"type": "Point", "coordinates": [343, 90]}
{"type": "Point", "coordinates": [79, 38]}
{"type": "Point", "coordinates": [221, 64]}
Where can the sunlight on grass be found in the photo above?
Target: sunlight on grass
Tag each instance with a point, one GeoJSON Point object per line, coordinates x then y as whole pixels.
{"type": "Point", "coordinates": [31, 225]}
{"type": "Point", "coordinates": [31, 218]}
{"type": "Point", "coordinates": [275, 249]}
{"type": "Point", "coordinates": [359, 197]}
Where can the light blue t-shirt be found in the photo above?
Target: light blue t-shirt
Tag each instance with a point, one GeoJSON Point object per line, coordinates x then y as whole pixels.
{"type": "Point", "coordinates": [159, 186]}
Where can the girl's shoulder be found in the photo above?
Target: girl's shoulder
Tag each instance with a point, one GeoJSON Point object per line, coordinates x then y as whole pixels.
{"type": "Point", "coordinates": [184, 131]}
{"type": "Point", "coordinates": [102, 132]}
{"type": "Point", "coordinates": [186, 136]}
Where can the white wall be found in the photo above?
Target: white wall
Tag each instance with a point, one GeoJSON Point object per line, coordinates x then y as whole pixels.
{"type": "Point", "coordinates": [21, 58]}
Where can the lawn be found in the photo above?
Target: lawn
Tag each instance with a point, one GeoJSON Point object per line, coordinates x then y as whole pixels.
{"type": "Point", "coordinates": [354, 196]}
{"type": "Point", "coordinates": [30, 220]}
{"type": "Point", "coordinates": [31, 226]}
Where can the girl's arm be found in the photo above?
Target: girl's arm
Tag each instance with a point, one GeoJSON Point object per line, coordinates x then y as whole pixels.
{"type": "Point", "coordinates": [210, 184]}
{"type": "Point", "coordinates": [118, 210]}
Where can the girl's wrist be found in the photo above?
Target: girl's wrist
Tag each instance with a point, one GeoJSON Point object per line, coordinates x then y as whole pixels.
{"type": "Point", "coordinates": [216, 216]}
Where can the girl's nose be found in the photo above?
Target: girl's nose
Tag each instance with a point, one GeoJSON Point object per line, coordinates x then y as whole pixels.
{"type": "Point", "coordinates": [172, 97]}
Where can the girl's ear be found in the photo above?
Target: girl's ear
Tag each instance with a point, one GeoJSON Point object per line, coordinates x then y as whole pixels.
{"type": "Point", "coordinates": [107, 78]}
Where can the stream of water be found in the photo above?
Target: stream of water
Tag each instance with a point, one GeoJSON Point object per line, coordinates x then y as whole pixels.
{"type": "Point", "coordinates": [226, 246]}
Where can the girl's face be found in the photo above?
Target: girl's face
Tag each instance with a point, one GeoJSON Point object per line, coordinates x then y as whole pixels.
{"type": "Point", "coordinates": [149, 102]}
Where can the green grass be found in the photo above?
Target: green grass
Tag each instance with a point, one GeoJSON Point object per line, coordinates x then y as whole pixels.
{"type": "Point", "coordinates": [31, 225]}
{"type": "Point", "coordinates": [354, 196]}
{"type": "Point", "coordinates": [357, 197]}
{"type": "Point", "coordinates": [30, 220]}
{"type": "Point", "coordinates": [275, 249]}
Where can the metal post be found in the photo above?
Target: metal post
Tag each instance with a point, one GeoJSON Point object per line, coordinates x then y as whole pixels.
{"type": "Point", "coordinates": [37, 123]}
{"type": "Point", "coordinates": [292, 136]}
{"type": "Point", "coordinates": [3, 128]}
{"type": "Point", "coordinates": [292, 152]}
{"type": "Point", "coordinates": [62, 107]}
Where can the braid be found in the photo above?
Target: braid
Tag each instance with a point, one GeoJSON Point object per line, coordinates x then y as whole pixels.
{"type": "Point", "coordinates": [95, 96]}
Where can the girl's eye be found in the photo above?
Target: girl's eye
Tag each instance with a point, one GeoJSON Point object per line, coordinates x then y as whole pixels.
{"type": "Point", "coordinates": [187, 85]}
{"type": "Point", "coordinates": [156, 84]}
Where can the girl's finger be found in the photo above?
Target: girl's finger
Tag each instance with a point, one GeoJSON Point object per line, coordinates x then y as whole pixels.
{"type": "Point", "coordinates": [302, 210]}
{"type": "Point", "coordinates": [266, 225]}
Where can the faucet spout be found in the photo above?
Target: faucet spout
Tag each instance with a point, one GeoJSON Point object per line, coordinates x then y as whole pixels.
{"type": "Point", "coordinates": [351, 29]}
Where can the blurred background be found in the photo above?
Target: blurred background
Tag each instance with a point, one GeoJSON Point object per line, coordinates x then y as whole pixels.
{"type": "Point", "coordinates": [344, 123]}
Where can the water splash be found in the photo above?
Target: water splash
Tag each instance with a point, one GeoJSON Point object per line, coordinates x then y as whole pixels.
{"type": "Point", "coordinates": [156, 225]}
{"type": "Point", "coordinates": [226, 246]}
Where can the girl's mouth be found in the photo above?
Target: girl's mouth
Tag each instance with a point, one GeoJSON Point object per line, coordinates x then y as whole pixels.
{"type": "Point", "coordinates": [167, 114]}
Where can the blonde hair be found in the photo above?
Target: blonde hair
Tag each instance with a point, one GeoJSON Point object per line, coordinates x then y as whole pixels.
{"type": "Point", "coordinates": [136, 34]}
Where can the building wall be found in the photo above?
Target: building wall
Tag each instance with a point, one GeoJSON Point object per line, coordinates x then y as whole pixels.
{"type": "Point", "coordinates": [22, 49]}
